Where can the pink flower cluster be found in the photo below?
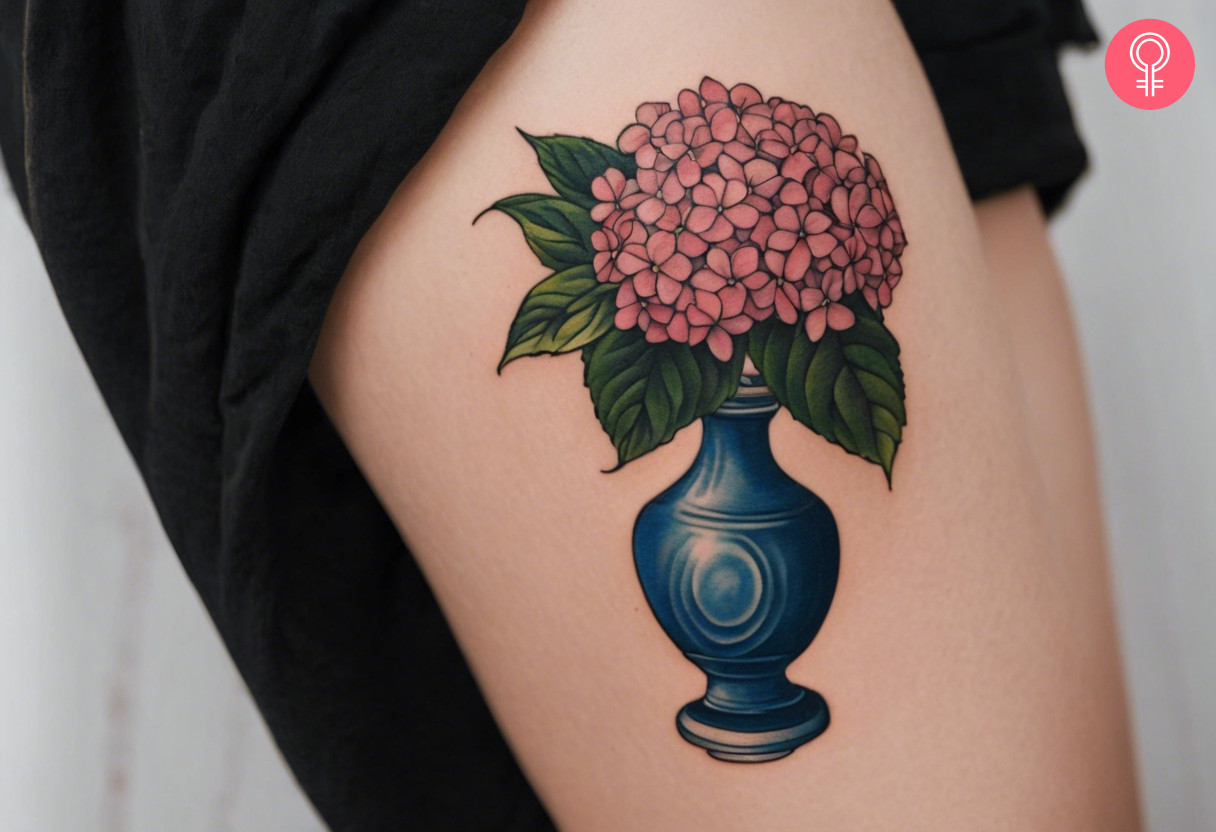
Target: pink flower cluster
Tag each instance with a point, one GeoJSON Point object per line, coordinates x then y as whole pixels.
{"type": "Point", "coordinates": [742, 208]}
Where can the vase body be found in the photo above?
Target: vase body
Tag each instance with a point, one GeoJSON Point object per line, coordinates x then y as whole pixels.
{"type": "Point", "coordinates": [739, 565]}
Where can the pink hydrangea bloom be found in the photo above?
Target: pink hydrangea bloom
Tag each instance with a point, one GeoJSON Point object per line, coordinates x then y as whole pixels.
{"type": "Point", "coordinates": [743, 208]}
{"type": "Point", "coordinates": [656, 268]}
{"type": "Point", "coordinates": [615, 193]}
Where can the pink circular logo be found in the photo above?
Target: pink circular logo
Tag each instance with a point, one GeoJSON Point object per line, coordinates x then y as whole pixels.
{"type": "Point", "coordinates": [1149, 64]}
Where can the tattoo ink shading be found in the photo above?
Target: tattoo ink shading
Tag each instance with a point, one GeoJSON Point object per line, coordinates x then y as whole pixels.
{"type": "Point", "coordinates": [730, 256]}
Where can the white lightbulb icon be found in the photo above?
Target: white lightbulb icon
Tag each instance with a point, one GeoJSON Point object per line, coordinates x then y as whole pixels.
{"type": "Point", "coordinates": [1150, 83]}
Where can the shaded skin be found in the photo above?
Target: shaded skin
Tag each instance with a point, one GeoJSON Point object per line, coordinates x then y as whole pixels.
{"type": "Point", "coordinates": [969, 655]}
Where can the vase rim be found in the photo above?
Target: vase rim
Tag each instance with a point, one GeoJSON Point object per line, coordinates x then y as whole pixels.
{"type": "Point", "coordinates": [751, 384]}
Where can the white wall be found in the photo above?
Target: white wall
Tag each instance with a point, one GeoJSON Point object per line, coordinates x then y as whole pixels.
{"type": "Point", "coordinates": [1137, 246]}
{"type": "Point", "coordinates": [120, 712]}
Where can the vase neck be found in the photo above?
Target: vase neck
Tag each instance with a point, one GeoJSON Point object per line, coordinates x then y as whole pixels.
{"type": "Point", "coordinates": [735, 436]}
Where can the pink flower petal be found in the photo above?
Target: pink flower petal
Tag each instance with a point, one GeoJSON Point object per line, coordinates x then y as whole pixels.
{"type": "Point", "coordinates": [795, 167]}
{"type": "Point", "coordinates": [845, 163]}
{"type": "Point", "coordinates": [712, 90]}
{"type": "Point", "coordinates": [645, 283]}
{"type": "Point", "coordinates": [745, 261]}
{"type": "Point", "coordinates": [782, 240]}
{"type": "Point", "coordinates": [720, 344]}
{"type": "Point", "coordinates": [817, 222]}
{"type": "Point", "coordinates": [627, 318]}
{"type": "Point", "coordinates": [724, 125]}
{"type": "Point", "coordinates": [742, 215]}
{"type": "Point", "coordinates": [633, 259]}
{"type": "Point", "coordinates": [706, 154]}
{"type": "Point", "coordinates": [667, 289]}
{"type": "Point", "coordinates": [672, 191]}
{"type": "Point", "coordinates": [709, 303]}
{"type": "Point", "coordinates": [744, 95]}
{"type": "Point", "coordinates": [718, 260]}
{"type": "Point", "coordinates": [677, 266]}
{"type": "Point", "coordinates": [651, 209]}
{"type": "Point", "coordinates": [733, 298]}
{"type": "Point", "coordinates": [660, 246]}
{"type": "Point", "coordinates": [810, 298]}
{"type": "Point", "coordinates": [839, 317]}
{"type": "Point", "coordinates": [698, 318]}
{"type": "Point", "coordinates": [786, 310]}
{"type": "Point", "coordinates": [646, 156]}
{"type": "Point", "coordinates": [764, 228]}
{"type": "Point", "coordinates": [720, 230]}
{"type": "Point", "coordinates": [867, 217]}
{"type": "Point", "coordinates": [774, 261]}
{"type": "Point", "coordinates": [688, 171]}
{"type": "Point", "coordinates": [797, 262]}
{"type": "Point", "coordinates": [708, 279]}
{"type": "Point", "coordinates": [656, 333]}
{"type": "Point", "coordinates": [737, 324]}
{"type": "Point", "coordinates": [821, 245]}
{"type": "Point", "coordinates": [816, 323]}
{"type": "Point", "coordinates": [689, 103]}
{"type": "Point", "coordinates": [859, 195]}
{"type": "Point", "coordinates": [690, 245]}
{"type": "Point", "coordinates": [633, 137]}
{"type": "Point", "coordinates": [766, 295]}
{"type": "Point", "coordinates": [840, 203]}
{"type": "Point", "coordinates": [677, 330]}
{"type": "Point", "coordinates": [792, 193]}
{"type": "Point", "coordinates": [700, 218]}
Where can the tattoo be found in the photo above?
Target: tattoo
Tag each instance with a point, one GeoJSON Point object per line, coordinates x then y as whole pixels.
{"type": "Point", "coordinates": [731, 255]}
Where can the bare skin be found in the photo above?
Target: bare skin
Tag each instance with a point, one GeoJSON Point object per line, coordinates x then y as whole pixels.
{"type": "Point", "coordinates": [969, 656]}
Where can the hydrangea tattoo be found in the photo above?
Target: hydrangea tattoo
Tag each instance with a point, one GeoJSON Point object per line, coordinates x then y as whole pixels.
{"type": "Point", "coordinates": [719, 226]}
{"type": "Point", "coordinates": [726, 228]}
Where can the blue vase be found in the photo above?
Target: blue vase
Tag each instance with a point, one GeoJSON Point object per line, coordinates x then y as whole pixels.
{"type": "Point", "coordinates": [739, 564]}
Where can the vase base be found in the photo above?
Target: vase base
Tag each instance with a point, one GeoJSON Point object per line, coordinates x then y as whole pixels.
{"type": "Point", "coordinates": [754, 736]}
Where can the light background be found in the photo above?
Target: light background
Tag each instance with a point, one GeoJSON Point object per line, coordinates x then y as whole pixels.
{"type": "Point", "coordinates": [120, 712]}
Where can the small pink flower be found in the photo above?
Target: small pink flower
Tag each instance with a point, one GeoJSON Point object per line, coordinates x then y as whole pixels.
{"type": "Point", "coordinates": [636, 135]}
{"type": "Point", "coordinates": [615, 193]}
{"type": "Point", "coordinates": [761, 177]}
{"type": "Point", "coordinates": [657, 269]}
{"type": "Point", "coordinates": [610, 240]}
{"type": "Point", "coordinates": [733, 277]}
{"type": "Point", "coordinates": [673, 220]}
{"type": "Point", "coordinates": [719, 208]}
{"type": "Point", "coordinates": [823, 314]}
{"type": "Point", "coordinates": [661, 189]}
{"type": "Point", "coordinates": [800, 234]}
{"type": "Point", "coordinates": [721, 295]}
{"type": "Point", "coordinates": [692, 147]}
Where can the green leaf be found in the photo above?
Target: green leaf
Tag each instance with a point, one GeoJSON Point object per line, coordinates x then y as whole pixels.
{"type": "Point", "coordinates": [644, 393]}
{"type": "Point", "coordinates": [571, 163]}
{"type": "Point", "coordinates": [565, 311]}
{"type": "Point", "coordinates": [848, 387]}
{"type": "Point", "coordinates": [557, 231]}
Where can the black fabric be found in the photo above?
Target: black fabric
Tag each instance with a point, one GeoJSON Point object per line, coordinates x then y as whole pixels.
{"type": "Point", "coordinates": [197, 176]}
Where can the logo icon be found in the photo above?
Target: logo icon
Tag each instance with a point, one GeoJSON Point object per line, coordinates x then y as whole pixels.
{"type": "Point", "coordinates": [1149, 64]}
{"type": "Point", "coordinates": [1150, 83]}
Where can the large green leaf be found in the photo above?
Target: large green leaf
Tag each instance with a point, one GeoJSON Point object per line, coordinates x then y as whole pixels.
{"type": "Point", "coordinates": [557, 231]}
{"type": "Point", "coordinates": [848, 387]}
{"type": "Point", "coordinates": [572, 162]}
{"type": "Point", "coordinates": [565, 311]}
{"type": "Point", "coordinates": [643, 393]}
